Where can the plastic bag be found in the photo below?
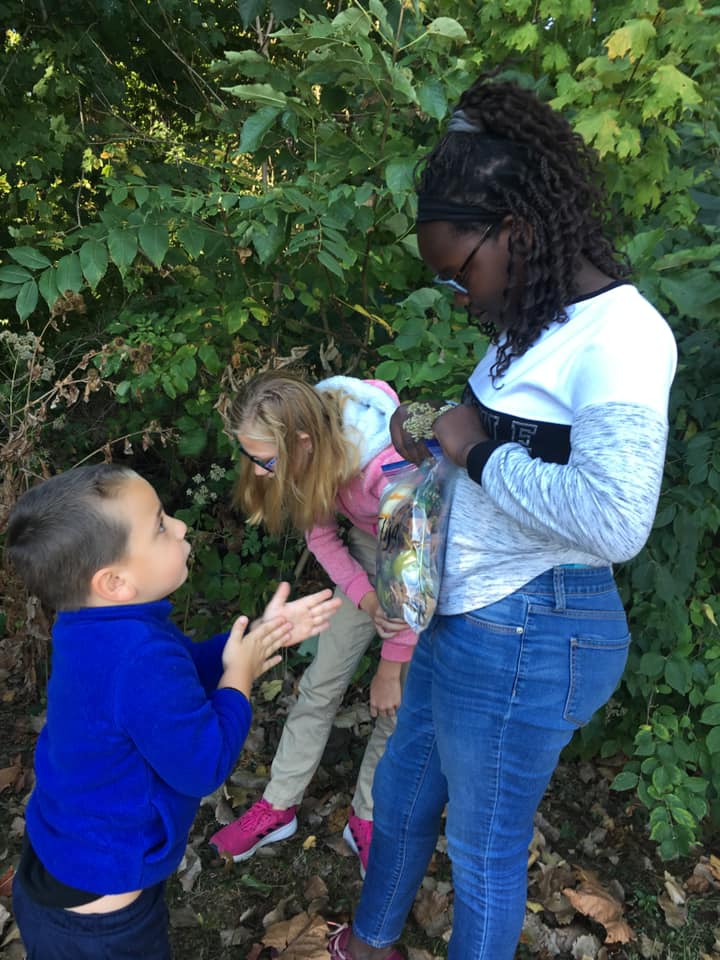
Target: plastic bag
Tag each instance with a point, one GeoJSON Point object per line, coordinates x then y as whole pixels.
{"type": "Point", "coordinates": [412, 523]}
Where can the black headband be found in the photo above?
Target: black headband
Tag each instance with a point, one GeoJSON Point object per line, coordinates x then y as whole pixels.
{"type": "Point", "coordinates": [433, 208]}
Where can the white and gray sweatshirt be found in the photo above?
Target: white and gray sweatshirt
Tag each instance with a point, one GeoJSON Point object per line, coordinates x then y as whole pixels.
{"type": "Point", "coordinates": [571, 473]}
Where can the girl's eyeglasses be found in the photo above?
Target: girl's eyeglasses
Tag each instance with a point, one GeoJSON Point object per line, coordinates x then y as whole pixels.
{"type": "Point", "coordinates": [264, 464]}
{"type": "Point", "coordinates": [454, 282]}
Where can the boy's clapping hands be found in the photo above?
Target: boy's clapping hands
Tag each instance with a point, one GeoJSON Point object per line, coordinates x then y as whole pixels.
{"type": "Point", "coordinates": [248, 655]}
{"type": "Point", "coordinates": [307, 615]}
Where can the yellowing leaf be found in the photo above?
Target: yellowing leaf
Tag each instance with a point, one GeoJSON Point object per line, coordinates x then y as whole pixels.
{"type": "Point", "coordinates": [671, 86]}
{"type": "Point", "coordinates": [632, 40]}
{"type": "Point", "coordinates": [359, 308]}
{"type": "Point", "coordinates": [270, 689]}
{"type": "Point", "coordinates": [600, 129]}
{"type": "Point", "coordinates": [709, 613]}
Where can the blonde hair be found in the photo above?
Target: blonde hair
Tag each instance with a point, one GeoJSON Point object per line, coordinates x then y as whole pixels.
{"type": "Point", "coordinates": [276, 407]}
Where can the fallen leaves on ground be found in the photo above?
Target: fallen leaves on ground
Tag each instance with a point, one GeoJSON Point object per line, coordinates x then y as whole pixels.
{"type": "Point", "coordinates": [302, 937]}
{"type": "Point", "coordinates": [12, 776]}
{"type": "Point", "coordinates": [592, 900]}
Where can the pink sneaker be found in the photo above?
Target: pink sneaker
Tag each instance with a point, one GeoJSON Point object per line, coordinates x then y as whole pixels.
{"type": "Point", "coordinates": [259, 825]}
{"type": "Point", "coordinates": [357, 835]}
{"type": "Point", "coordinates": [338, 944]}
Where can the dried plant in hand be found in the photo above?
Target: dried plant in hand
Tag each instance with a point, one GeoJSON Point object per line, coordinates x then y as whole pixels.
{"type": "Point", "coordinates": [421, 417]}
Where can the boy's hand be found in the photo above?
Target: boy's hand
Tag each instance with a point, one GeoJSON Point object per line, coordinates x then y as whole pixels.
{"type": "Point", "coordinates": [307, 616]}
{"type": "Point", "coordinates": [385, 690]}
{"type": "Point", "coordinates": [247, 656]}
{"type": "Point", "coordinates": [385, 627]}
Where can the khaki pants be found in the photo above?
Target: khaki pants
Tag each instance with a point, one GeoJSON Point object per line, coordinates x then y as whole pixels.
{"type": "Point", "coordinates": [320, 693]}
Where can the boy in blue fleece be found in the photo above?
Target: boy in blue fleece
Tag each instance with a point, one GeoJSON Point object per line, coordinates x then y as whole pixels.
{"type": "Point", "coordinates": [141, 721]}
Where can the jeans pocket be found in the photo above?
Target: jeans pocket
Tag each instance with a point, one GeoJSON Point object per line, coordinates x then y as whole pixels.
{"type": "Point", "coordinates": [596, 666]}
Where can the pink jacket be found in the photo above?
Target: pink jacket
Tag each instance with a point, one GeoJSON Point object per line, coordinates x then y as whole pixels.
{"type": "Point", "coordinates": [358, 501]}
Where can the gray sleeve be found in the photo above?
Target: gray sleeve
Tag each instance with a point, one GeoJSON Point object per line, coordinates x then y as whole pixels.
{"type": "Point", "coordinates": [603, 500]}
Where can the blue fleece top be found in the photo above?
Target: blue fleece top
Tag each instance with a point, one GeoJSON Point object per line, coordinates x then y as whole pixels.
{"type": "Point", "coordinates": [136, 734]}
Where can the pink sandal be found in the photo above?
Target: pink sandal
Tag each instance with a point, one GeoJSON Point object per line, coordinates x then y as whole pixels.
{"type": "Point", "coordinates": [338, 946]}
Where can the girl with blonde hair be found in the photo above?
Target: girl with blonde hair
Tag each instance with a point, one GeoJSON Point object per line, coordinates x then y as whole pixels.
{"type": "Point", "coordinates": [310, 453]}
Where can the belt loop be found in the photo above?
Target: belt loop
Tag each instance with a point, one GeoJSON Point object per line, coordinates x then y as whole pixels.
{"type": "Point", "coordinates": [559, 587]}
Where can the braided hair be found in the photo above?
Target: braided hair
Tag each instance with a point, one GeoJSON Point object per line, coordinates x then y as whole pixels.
{"type": "Point", "coordinates": [508, 154]}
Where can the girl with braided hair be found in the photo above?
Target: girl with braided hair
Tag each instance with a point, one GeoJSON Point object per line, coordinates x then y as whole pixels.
{"type": "Point", "coordinates": [561, 441]}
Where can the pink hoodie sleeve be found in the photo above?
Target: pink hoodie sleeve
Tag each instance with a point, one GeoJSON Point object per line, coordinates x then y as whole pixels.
{"type": "Point", "coordinates": [342, 568]}
{"type": "Point", "coordinates": [400, 648]}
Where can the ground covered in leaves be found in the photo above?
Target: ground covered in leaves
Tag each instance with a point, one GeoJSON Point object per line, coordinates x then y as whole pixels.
{"type": "Point", "coordinates": [597, 890]}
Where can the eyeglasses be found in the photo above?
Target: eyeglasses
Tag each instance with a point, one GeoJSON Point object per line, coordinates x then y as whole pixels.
{"type": "Point", "coordinates": [264, 464]}
{"type": "Point", "coordinates": [454, 282]}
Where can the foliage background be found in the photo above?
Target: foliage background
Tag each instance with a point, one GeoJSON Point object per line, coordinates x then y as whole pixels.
{"type": "Point", "coordinates": [191, 189]}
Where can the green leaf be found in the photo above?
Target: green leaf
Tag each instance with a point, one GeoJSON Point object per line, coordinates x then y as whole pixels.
{"type": "Point", "coordinates": [249, 10]}
{"type": "Point", "coordinates": [68, 274]}
{"type": "Point", "coordinates": [235, 318]}
{"type": "Point", "coordinates": [247, 880]}
{"type": "Point", "coordinates": [712, 741]}
{"type": "Point", "coordinates": [29, 257]}
{"type": "Point", "coordinates": [432, 99]}
{"type": "Point", "coordinates": [678, 674]}
{"type": "Point", "coordinates": [625, 781]}
{"type": "Point", "coordinates": [13, 274]}
{"type": "Point", "coordinates": [329, 261]}
{"type": "Point", "coordinates": [168, 386]}
{"type": "Point", "coordinates": [122, 245]}
{"type": "Point", "coordinates": [523, 38]}
{"type": "Point", "coordinates": [8, 291]}
{"type": "Point", "coordinates": [683, 258]}
{"type": "Point", "coordinates": [387, 370]}
{"type": "Point", "coordinates": [651, 664]}
{"type": "Point", "coordinates": [402, 84]}
{"type": "Point", "coordinates": [692, 291]}
{"type": "Point", "coordinates": [448, 28]}
{"type": "Point", "coordinates": [193, 237]}
{"type": "Point", "coordinates": [352, 21]}
{"type": "Point", "coordinates": [255, 127]}
{"type": "Point", "coordinates": [683, 817]}
{"type": "Point", "coordinates": [48, 286]}
{"type": "Point", "coordinates": [644, 744]}
{"type": "Point", "coordinates": [259, 93]}
{"type": "Point", "coordinates": [27, 299]}
{"type": "Point", "coordinates": [711, 715]}
{"type": "Point", "coordinates": [191, 443]}
{"type": "Point", "coordinates": [209, 356]}
{"type": "Point", "coordinates": [267, 240]}
{"type": "Point", "coordinates": [93, 261]}
{"type": "Point", "coordinates": [399, 176]}
{"type": "Point", "coordinates": [154, 241]}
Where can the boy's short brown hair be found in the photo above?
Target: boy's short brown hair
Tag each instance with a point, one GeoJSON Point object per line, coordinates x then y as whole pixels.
{"type": "Point", "coordinates": [59, 533]}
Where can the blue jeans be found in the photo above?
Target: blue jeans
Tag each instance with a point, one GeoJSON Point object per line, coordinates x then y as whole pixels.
{"type": "Point", "coordinates": [136, 932]}
{"type": "Point", "coordinates": [491, 698]}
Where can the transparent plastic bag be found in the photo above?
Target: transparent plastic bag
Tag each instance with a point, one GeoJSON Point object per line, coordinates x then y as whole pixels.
{"type": "Point", "coordinates": [412, 524]}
